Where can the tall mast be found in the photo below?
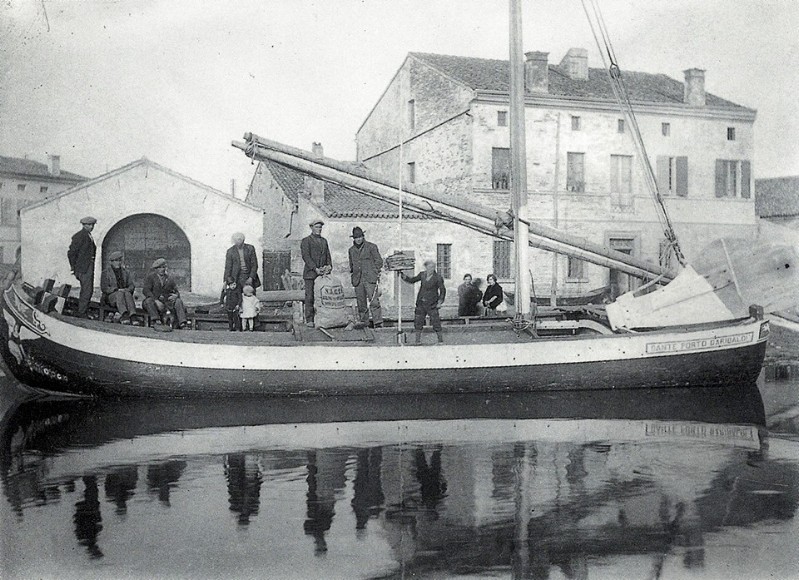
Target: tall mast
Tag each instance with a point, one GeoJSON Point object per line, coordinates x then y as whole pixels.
{"type": "Point", "coordinates": [518, 162]}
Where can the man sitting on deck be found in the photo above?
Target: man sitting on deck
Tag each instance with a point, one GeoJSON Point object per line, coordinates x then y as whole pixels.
{"type": "Point", "coordinates": [117, 287]}
{"type": "Point", "coordinates": [161, 293]}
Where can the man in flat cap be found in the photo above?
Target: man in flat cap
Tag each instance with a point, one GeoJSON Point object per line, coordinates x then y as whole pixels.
{"type": "Point", "coordinates": [316, 255]}
{"type": "Point", "coordinates": [365, 265]}
{"type": "Point", "coordinates": [81, 254]}
{"type": "Point", "coordinates": [161, 293]}
{"type": "Point", "coordinates": [241, 269]}
{"type": "Point", "coordinates": [117, 287]}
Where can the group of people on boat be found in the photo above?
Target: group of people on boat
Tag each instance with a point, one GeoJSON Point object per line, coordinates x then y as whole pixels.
{"type": "Point", "coordinates": [366, 263]}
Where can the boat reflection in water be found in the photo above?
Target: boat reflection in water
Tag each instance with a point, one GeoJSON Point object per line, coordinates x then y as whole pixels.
{"type": "Point", "coordinates": [535, 486]}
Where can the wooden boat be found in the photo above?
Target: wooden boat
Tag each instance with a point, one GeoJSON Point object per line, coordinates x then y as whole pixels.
{"type": "Point", "coordinates": [679, 334]}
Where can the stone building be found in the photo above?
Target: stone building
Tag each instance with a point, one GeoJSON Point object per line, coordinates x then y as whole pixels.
{"type": "Point", "coordinates": [147, 211]}
{"type": "Point", "coordinates": [777, 200]}
{"type": "Point", "coordinates": [22, 182]}
{"type": "Point", "coordinates": [584, 175]}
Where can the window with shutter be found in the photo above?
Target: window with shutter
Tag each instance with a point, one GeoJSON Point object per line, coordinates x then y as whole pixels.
{"type": "Point", "coordinates": [575, 269]}
{"type": "Point", "coordinates": [444, 260]}
{"type": "Point", "coordinates": [663, 164]}
{"type": "Point", "coordinates": [681, 170]}
{"type": "Point", "coordinates": [8, 211]}
{"type": "Point", "coordinates": [721, 178]}
{"type": "Point", "coordinates": [502, 259]}
{"type": "Point", "coordinates": [621, 182]}
{"type": "Point", "coordinates": [500, 168]}
{"type": "Point", "coordinates": [746, 176]}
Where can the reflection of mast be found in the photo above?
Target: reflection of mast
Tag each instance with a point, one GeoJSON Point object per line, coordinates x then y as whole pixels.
{"type": "Point", "coordinates": [87, 517]}
{"type": "Point", "coordinates": [244, 486]}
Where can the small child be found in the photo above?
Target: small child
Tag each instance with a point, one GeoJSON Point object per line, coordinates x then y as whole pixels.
{"type": "Point", "coordinates": [250, 307]}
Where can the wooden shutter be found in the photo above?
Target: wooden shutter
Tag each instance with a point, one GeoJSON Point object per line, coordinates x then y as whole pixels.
{"type": "Point", "coordinates": [721, 178]}
{"type": "Point", "coordinates": [502, 259]}
{"type": "Point", "coordinates": [746, 175]}
{"type": "Point", "coordinates": [663, 174]}
{"type": "Point", "coordinates": [682, 176]}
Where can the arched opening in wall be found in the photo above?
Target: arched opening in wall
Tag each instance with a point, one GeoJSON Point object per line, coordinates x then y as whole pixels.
{"type": "Point", "coordinates": [144, 237]}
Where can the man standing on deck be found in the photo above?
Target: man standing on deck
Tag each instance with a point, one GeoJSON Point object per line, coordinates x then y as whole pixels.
{"type": "Point", "coordinates": [365, 265]}
{"type": "Point", "coordinates": [316, 255]}
{"type": "Point", "coordinates": [241, 269]}
{"type": "Point", "coordinates": [81, 255]}
{"type": "Point", "coordinates": [429, 299]}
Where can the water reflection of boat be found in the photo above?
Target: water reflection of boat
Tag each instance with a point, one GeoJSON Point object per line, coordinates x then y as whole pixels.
{"type": "Point", "coordinates": [419, 486]}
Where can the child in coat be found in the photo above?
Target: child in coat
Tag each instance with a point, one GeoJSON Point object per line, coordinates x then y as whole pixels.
{"type": "Point", "coordinates": [250, 307]}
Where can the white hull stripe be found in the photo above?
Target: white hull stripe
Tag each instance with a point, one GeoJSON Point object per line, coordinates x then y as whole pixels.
{"type": "Point", "coordinates": [375, 358]}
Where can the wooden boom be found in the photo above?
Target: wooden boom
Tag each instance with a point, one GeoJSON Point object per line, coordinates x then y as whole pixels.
{"type": "Point", "coordinates": [445, 206]}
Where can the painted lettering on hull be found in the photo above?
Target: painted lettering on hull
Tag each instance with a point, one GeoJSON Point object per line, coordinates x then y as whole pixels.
{"type": "Point", "coordinates": [699, 343]}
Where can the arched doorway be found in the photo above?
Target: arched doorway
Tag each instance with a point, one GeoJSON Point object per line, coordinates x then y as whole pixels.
{"type": "Point", "coordinates": [144, 237]}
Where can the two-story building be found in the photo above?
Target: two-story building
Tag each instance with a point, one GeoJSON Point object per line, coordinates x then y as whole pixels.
{"type": "Point", "coordinates": [450, 114]}
{"type": "Point", "coordinates": [23, 182]}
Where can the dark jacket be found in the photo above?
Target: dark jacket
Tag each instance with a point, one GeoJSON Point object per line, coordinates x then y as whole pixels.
{"type": "Point", "coordinates": [315, 254]}
{"type": "Point", "coordinates": [491, 291]}
{"type": "Point", "coordinates": [108, 281]}
{"type": "Point", "coordinates": [365, 263]}
{"type": "Point", "coordinates": [431, 290]}
{"type": "Point", "coordinates": [81, 252]}
{"type": "Point", "coordinates": [469, 297]}
{"type": "Point", "coordinates": [233, 264]}
{"type": "Point", "coordinates": [154, 289]}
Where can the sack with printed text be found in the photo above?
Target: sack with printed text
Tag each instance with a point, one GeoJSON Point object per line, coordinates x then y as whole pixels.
{"type": "Point", "coordinates": [331, 311]}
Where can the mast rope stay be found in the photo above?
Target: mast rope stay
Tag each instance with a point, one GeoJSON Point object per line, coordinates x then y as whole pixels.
{"type": "Point", "coordinates": [599, 29]}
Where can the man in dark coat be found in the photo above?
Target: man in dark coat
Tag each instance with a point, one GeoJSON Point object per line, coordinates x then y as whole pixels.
{"type": "Point", "coordinates": [365, 265]}
{"type": "Point", "coordinates": [316, 255]}
{"type": "Point", "coordinates": [469, 297]}
{"type": "Point", "coordinates": [241, 269]}
{"type": "Point", "coordinates": [117, 287]}
{"type": "Point", "coordinates": [429, 299]}
{"type": "Point", "coordinates": [81, 254]}
{"type": "Point", "coordinates": [161, 293]}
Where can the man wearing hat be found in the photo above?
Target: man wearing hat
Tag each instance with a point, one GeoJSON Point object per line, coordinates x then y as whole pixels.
{"type": "Point", "coordinates": [161, 293]}
{"type": "Point", "coordinates": [117, 287]}
{"type": "Point", "coordinates": [241, 269]}
{"type": "Point", "coordinates": [316, 255]}
{"type": "Point", "coordinates": [81, 254]}
{"type": "Point", "coordinates": [365, 265]}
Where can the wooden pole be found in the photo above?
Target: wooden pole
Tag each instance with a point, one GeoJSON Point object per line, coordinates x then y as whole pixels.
{"type": "Point", "coordinates": [518, 162]}
{"type": "Point", "coordinates": [444, 206]}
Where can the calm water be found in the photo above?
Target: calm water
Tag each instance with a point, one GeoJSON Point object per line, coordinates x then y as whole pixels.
{"type": "Point", "coordinates": [663, 484]}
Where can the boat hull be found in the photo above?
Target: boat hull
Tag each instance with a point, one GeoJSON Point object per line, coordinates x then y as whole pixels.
{"type": "Point", "coordinates": [50, 353]}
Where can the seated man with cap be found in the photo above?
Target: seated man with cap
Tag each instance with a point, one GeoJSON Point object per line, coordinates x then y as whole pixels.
{"type": "Point", "coordinates": [318, 262]}
{"type": "Point", "coordinates": [81, 254]}
{"type": "Point", "coordinates": [117, 287]}
{"type": "Point", "coordinates": [160, 294]}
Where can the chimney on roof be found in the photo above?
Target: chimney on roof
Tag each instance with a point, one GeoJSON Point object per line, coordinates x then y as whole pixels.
{"type": "Point", "coordinates": [315, 188]}
{"type": "Point", "coordinates": [575, 64]}
{"type": "Point", "coordinates": [317, 150]}
{"type": "Point", "coordinates": [54, 165]}
{"type": "Point", "coordinates": [536, 72]}
{"type": "Point", "coordinates": [694, 94]}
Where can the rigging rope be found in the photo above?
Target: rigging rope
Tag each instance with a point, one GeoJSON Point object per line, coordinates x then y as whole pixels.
{"type": "Point", "coordinates": [599, 29]}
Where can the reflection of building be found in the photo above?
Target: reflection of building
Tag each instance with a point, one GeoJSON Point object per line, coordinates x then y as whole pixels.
{"type": "Point", "coordinates": [23, 182]}
{"type": "Point", "coordinates": [147, 211]}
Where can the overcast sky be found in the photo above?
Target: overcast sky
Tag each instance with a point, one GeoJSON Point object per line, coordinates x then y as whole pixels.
{"type": "Point", "coordinates": [105, 82]}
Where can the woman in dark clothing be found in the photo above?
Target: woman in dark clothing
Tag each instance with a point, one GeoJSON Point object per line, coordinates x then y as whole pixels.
{"type": "Point", "coordinates": [430, 297]}
{"type": "Point", "coordinates": [492, 297]}
{"type": "Point", "coordinates": [469, 297]}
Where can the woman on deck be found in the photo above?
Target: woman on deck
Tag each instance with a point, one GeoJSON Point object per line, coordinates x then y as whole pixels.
{"type": "Point", "coordinates": [493, 296]}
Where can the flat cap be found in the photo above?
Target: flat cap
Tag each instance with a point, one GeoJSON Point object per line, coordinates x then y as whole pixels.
{"type": "Point", "coordinates": [88, 220]}
{"type": "Point", "coordinates": [312, 223]}
{"type": "Point", "coordinates": [159, 262]}
{"type": "Point", "coordinates": [117, 255]}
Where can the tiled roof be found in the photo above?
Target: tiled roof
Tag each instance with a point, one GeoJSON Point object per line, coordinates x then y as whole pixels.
{"type": "Point", "coordinates": [340, 201]}
{"type": "Point", "coordinates": [778, 196]}
{"type": "Point", "coordinates": [494, 75]}
{"type": "Point", "coordinates": [29, 168]}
